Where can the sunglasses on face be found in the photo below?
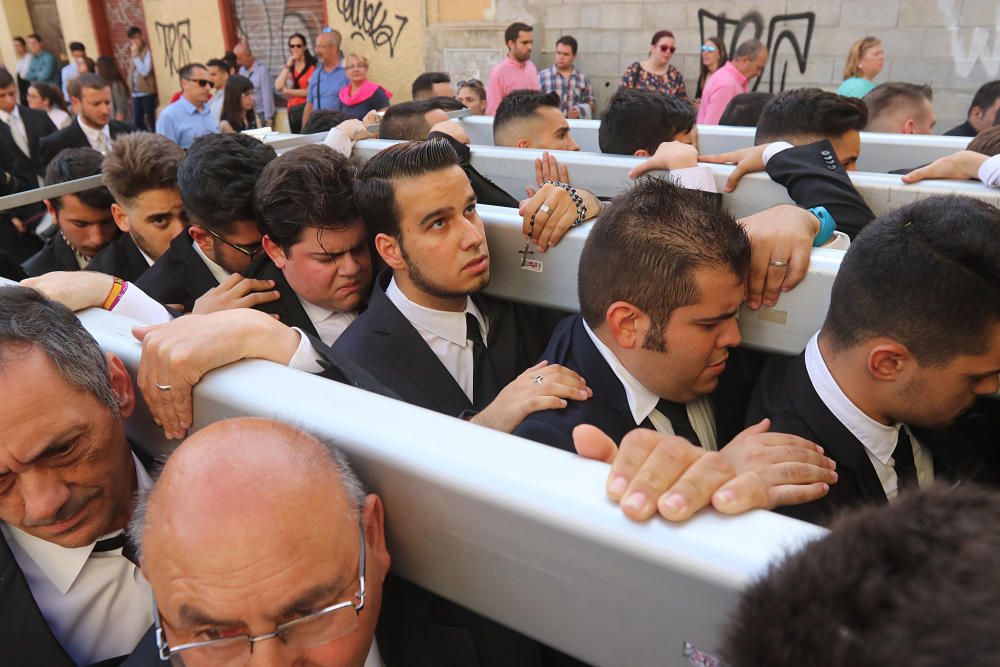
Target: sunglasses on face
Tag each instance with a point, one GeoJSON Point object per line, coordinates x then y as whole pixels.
{"type": "Point", "coordinates": [667, 48]}
{"type": "Point", "coordinates": [296, 46]}
{"type": "Point", "coordinates": [708, 48]}
{"type": "Point", "coordinates": [204, 83]}
{"type": "Point", "coordinates": [474, 83]}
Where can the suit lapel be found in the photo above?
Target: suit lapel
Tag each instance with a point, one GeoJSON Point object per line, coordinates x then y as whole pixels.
{"type": "Point", "coordinates": [288, 307]}
{"type": "Point", "coordinates": [64, 255]}
{"type": "Point", "coordinates": [607, 388]}
{"type": "Point", "coordinates": [197, 278]}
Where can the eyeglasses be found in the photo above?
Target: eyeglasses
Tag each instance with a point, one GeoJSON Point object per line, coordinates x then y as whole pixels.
{"type": "Point", "coordinates": [248, 250]}
{"type": "Point", "coordinates": [204, 83]}
{"type": "Point", "coordinates": [708, 48]}
{"type": "Point", "coordinates": [472, 83]}
{"type": "Point", "coordinates": [667, 48]}
{"type": "Point", "coordinates": [296, 46]}
{"type": "Point", "coordinates": [320, 627]}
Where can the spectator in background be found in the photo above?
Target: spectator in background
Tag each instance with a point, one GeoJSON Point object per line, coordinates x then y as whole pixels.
{"type": "Point", "coordinates": [188, 118]}
{"type": "Point", "coordinates": [293, 81]}
{"type": "Point", "coordinates": [76, 51]}
{"type": "Point", "coordinates": [238, 112]}
{"type": "Point", "coordinates": [731, 79]}
{"type": "Point", "coordinates": [900, 108]}
{"type": "Point", "coordinates": [107, 69]}
{"type": "Point", "coordinates": [656, 72]}
{"type": "Point", "coordinates": [260, 76]}
{"type": "Point", "coordinates": [576, 97]}
{"type": "Point", "coordinates": [745, 109]}
{"type": "Point", "coordinates": [94, 126]}
{"type": "Point", "coordinates": [982, 111]}
{"type": "Point", "coordinates": [864, 62]}
{"type": "Point", "coordinates": [219, 71]}
{"type": "Point", "coordinates": [85, 65]}
{"type": "Point", "coordinates": [410, 121]}
{"type": "Point", "coordinates": [327, 80]}
{"type": "Point", "coordinates": [472, 95]}
{"type": "Point", "coordinates": [43, 64]}
{"type": "Point", "coordinates": [360, 95]}
{"type": "Point", "coordinates": [636, 122]}
{"type": "Point", "coordinates": [713, 56]}
{"type": "Point", "coordinates": [46, 97]}
{"type": "Point", "coordinates": [141, 81]}
{"type": "Point", "coordinates": [516, 71]}
{"type": "Point", "coordinates": [431, 84]}
{"type": "Point", "coordinates": [23, 65]}
{"type": "Point", "coordinates": [323, 121]}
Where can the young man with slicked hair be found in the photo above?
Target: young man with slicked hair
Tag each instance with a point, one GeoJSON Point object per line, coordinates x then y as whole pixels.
{"type": "Point", "coordinates": [900, 108]}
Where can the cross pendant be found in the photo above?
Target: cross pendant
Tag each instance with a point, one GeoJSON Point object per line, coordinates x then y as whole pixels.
{"type": "Point", "coordinates": [524, 253]}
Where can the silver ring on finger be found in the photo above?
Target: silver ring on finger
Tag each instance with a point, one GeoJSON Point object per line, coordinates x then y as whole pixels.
{"type": "Point", "coordinates": [163, 387]}
{"type": "Point", "coordinates": [779, 263]}
{"type": "Point", "coordinates": [544, 208]}
{"type": "Point", "coordinates": [539, 379]}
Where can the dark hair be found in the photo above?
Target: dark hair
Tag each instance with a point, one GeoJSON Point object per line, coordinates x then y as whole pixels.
{"type": "Point", "coordinates": [723, 58]}
{"type": "Point", "coordinates": [6, 79]}
{"type": "Point", "coordinates": [232, 103]}
{"type": "Point", "coordinates": [474, 84]}
{"type": "Point", "coordinates": [185, 72]}
{"type": "Point", "coordinates": [660, 34]}
{"type": "Point", "coordinates": [229, 58]}
{"type": "Point", "coordinates": [20, 40]}
{"type": "Point", "coordinates": [986, 142]}
{"type": "Point", "coordinates": [521, 105]}
{"type": "Point", "coordinates": [568, 40]}
{"type": "Point", "coordinates": [89, 63]}
{"type": "Point", "coordinates": [374, 193]}
{"type": "Point", "coordinates": [89, 81]}
{"type": "Point", "coordinates": [76, 46]}
{"type": "Point", "coordinates": [218, 62]}
{"type": "Point", "coordinates": [927, 275]}
{"type": "Point", "coordinates": [107, 69]}
{"type": "Point", "coordinates": [745, 109]}
{"type": "Point", "coordinates": [49, 93]}
{"type": "Point", "coordinates": [310, 187]}
{"type": "Point", "coordinates": [985, 96]}
{"type": "Point", "coordinates": [749, 49]}
{"type": "Point", "coordinates": [886, 97]}
{"type": "Point", "coordinates": [217, 178]}
{"type": "Point", "coordinates": [405, 121]}
{"type": "Point", "coordinates": [910, 583]}
{"type": "Point", "coordinates": [35, 36]}
{"type": "Point", "coordinates": [71, 164]}
{"type": "Point", "coordinates": [133, 31]}
{"type": "Point", "coordinates": [425, 82]}
{"type": "Point", "coordinates": [646, 247]}
{"type": "Point", "coordinates": [810, 112]}
{"type": "Point", "coordinates": [141, 161]}
{"type": "Point", "coordinates": [513, 30]}
{"type": "Point", "coordinates": [443, 103]}
{"type": "Point", "coordinates": [323, 120]}
{"type": "Point", "coordinates": [310, 58]}
{"type": "Point", "coordinates": [642, 119]}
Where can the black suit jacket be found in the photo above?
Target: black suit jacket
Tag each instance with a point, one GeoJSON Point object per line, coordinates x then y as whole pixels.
{"type": "Point", "coordinates": [608, 408]}
{"type": "Point", "coordinates": [288, 308]}
{"type": "Point", "coordinates": [25, 169]}
{"type": "Point", "coordinates": [120, 258]}
{"type": "Point", "coordinates": [72, 136]}
{"type": "Point", "coordinates": [10, 269]}
{"type": "Point", "coordinates": [178, 276]}
{"type": "Point", "coordinates": [967, 450]}
{"type": "Point", "coordinates": [813, 177]}
{"type": "Point", "coordinates": [963, 130]}
{"type": "Point", "coordinates": [55, 255]}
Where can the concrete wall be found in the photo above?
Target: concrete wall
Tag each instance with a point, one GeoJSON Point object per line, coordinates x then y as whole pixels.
{"type": "Point", "coordinates": [952, 44]}
{"type": "Point", "coordinates": [181, 32]}
{"type": "Point", "coordinates": [14, 20]}
{"type": "Point", "coordinates": [77, 25]}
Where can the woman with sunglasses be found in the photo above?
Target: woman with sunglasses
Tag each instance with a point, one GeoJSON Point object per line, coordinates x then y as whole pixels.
{"type": "Point", "coordinates": [472, 95]}
{"type": "Point", "coordinates": [360, 95]}
{"type": "Point", "coordinates": [238, 113]}
{"type": "Point", "coordinates": [294, 79]}
{"type": "Point", "coordinates": [713, 56]}
{"type": "Point", "coordinates": [656, 73]}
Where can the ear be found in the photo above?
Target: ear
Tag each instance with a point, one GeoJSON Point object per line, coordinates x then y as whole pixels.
{"type": "Point", "coordinates": [274, 251]}
{"type": "Point", "coordinates": [52, 212]}
{"type": "Point", "coordinates": [908, 126]}
{"type": "Point", "coordinates": [120, 216]}
{"type": "Point", "coordinates": [975, 114]}
{"type": "Point", "coordinates": [389, 249]}
{"type": "Point", "coordinates": [642, 152]}
{"type": "Point", "coordinates": [377, 552]}
{"type": "Point", "coordinates": [626, 324]}
{"type": "Point", "coordinates": [121, 384]}
{"type": "Point", "coordinates": [522, 143]}
{"type": "Point", "coordinates": [203, 239]}
{"type": "Point", "coordinates": [888, 360]}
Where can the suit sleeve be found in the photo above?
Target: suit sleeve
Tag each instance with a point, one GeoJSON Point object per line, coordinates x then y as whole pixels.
{"type": "Point", "coordinates": [546, 434]}
{"type": "Point", "coordinates": [49, 148]}
{"type": "Point", "coordinates": [813, 177]}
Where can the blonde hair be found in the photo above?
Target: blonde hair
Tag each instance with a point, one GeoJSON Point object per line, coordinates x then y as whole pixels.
{"type": "Point", "coordinates": [358, 56]}
{"type": "Point", "coordinates": [856, 53]}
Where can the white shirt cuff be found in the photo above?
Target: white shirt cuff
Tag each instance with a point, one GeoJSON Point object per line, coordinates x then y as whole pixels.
{"type": "Point", "coordinates": [989, 172]}
{"type": "Point", "coordinates": [306, 358]}
{"type": "Point", "coordinates": [139, 306]}
{"type": "Point", "coordinates": [774, 149]}
{"type": "Point", "coordinates": [695, 178]}
{"type": "Point", "coordinates": [339, 141]}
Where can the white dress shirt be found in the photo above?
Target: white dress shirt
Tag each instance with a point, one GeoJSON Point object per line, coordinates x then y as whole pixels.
{"type": "Point", "coordinates": [642, 402]}
{"type": "Point", "coordinates": [98, 605]}
{"type": "Point", "coordinates": [100, 140]}
{"type": "Point", "coordinates": [879, 440]}
{"type": "Point", "coordinates": [17, 129]}
{"type": "Point", "coordinates": [219, 273]}
{"type": "Point", "coordinates": [989, 172]}
{"type": "Point", "coordinates": [329, 324]}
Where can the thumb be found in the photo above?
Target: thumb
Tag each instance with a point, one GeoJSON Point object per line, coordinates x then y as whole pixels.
{"type": "Point", "coordinates": [734, 178]}
{"type": "Point", "coordinates": [592, 443]}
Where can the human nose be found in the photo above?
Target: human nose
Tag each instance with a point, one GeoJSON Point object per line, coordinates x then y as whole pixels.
{"type": "Point", "coordinates": [731, 336]}
{"type": "Point", "coordinates": [988, 386]}
{"type": "Point", "coordinates": [43, 494]}
{"type": "Point", "coordinates": [474, 235]}
{"type": "Point", "coordinates": [573, 146]}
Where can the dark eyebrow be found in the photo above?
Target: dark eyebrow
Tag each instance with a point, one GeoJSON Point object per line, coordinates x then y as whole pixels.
{"type": "Point", "coordinates": [55, 443]}
{"type": "Point", "coordinates": [310, 600]}
{"type": "Point", "coordinates": [191, 616]}
{"type": "Point", "coordinates": [718, 318]}
{"type": "Point", "coordinates": [471, 200]}
{"type": "Point", "coordinates": [158, 214]}
{"type": "Point", "coordinates": [360, 244]}
{"type": "Point", "coordinates": [436, 213]}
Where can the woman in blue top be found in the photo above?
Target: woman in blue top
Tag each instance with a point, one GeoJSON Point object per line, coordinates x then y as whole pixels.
{"type": "Point", "coordinates": [360, 95]}
{"type": "Point", "coordinates": [864, 62]}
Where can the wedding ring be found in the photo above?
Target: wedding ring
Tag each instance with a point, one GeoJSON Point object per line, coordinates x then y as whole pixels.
{"type": "Point", "coordinates": [544, 208]}
{"type": "Point", "coordinates": [163, 387]}
{"type": "Point", "coordinates": [538, 379]}
{"type": "Point", "coordinates": [779, 263]}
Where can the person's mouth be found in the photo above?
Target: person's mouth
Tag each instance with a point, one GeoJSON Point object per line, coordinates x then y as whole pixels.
{"type": "Point", "coordinates": [478, 264]}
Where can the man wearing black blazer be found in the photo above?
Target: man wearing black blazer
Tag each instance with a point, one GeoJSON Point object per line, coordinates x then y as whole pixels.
{"type": "Point", "coordinates": [910, 342]}
{"type": "Point", "coordinates": [93, 127]}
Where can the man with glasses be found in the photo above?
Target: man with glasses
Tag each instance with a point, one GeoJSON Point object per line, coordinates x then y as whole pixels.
{"type": "Point", "coordinates": [189, 117]}
{"type": "Point", "coordinates": [573, 86]}
{"type": "Point", "coordinates": [325, 83]}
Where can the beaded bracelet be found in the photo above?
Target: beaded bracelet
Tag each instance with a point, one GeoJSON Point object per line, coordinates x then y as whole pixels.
{"type": "Point", "coordinates": [581, 208]}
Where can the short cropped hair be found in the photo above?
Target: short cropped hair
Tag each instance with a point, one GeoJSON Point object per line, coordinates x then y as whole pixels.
{"type": "Point", "coordinates": [217, 179]}
{"type": "Point", "coordinates": [310, 187]}
{"type": "Point", "coordinates": [515, 29]}
{"type": "Point", "coordinates": [424, 83]}
{"type": "Point", "coordinates": [926, 275]}
{"type": "Point", "coordinates": [71, 164]}
{"type": "Point", "coordinates": [405, 121]}
{"type": "Point", "coordinates": [642, 119]}
{"type": "Point", "coordinates": [91, 81]}
{"type": "Point", "coordinates": [141, 161]}
{"type": "Point", "coordinates": [910, 583]}
{"type": "Point", "coordinates": [745, 109]}
{"type": "Point", "coordinates": [374, 191]}
{"type": "Point", "coordinates": [646, 247]}
{"type": "Point", "coordinates": [324, 120]}
{"type": "Point", "coordinates": [521, 105]}
{"type": "Point", "coordinates": [6, 79]}
{"type": "Point", "coordinates": [28, 319]}
{"type": "Point", "coordinates": [887, 97]}
{"type": "Point", "coordinates": [185, 72]}
{"type": "Point", "coordinates": [133, 31]}
{"type": "Point", "coordinates": [76, 46]}
{"type": "Point", "coordinates": [986, 142]}
{"type": "Point", "coordinates": [986, 96]}
{"type": "Point", "coordinates": [749, 49]}
{"type": "Point", "coordinates": [443, 103]}
{"type": "Point", "coordinates": [568, 40]}
{"type": "Point", "coordinates": [810, 112]}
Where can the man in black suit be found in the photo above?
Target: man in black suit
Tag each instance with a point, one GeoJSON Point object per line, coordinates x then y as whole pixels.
{"type": "Point", "coordinates": [216, 180]}
{"type": "Point", "coordinates": [94, 126]}
{"type": "Point", "coordinates": [69, 595]}
{"type": "Point", "coordinates": [911, 339]}
{"type": "Point", "coordinates": [141, 173]}
{"type": "Point", "coordinates": [83, 221]}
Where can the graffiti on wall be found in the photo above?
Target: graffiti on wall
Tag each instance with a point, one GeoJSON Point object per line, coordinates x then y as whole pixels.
{"type": "Point", "coordinates": [370, 20]}
{"type": "Point", "coordinates": [176, 40]}
{"type": "Point", "coordinates": [788, 38]}
{"type": "Point", "coordinates": [967, 53]}
{"type": "Point", "coordinates": [267, 24]}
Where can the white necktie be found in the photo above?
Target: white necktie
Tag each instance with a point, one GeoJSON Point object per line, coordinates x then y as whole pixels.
{"type": "Point", "coordinates": [17, 131]}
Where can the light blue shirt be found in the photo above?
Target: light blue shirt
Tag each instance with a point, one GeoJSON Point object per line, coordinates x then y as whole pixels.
{"type": "Point", "coordinates": [69, 72]}
{"type": "Point", "coordinates": [324, 88]}
{"type": "Point", "coordinates": [263, 88]}
{"type": "Point", "coordinates": [182, 122]}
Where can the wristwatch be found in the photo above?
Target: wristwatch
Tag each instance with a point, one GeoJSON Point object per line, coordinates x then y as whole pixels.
{"type": "Point", "coordinates": [827, 225]}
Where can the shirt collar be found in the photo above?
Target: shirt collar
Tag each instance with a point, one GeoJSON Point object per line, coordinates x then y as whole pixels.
{"type": "Point", "coordinates": [61, 565]}
{"type": "Point", "coordinates": [190, 108]}
{"type": "Point", "coordinates": [91, 132]}
{"type": "Point", "coordinates": [317, 314]}
{"type": "Point", "coordinates": [877, 438]}
{"type": "Point", "coordinates": [641, 401]}
{"type": "Point", "coordinates": [219, 273]}
{"type": "Point", "coordinates": [7, 115]}
{"type": "Point", "coordinates": [443, 324]}
{"type": "Point", "coordinates": [521, 64]}
{"type": "Point", "coordinates": [735, 72]}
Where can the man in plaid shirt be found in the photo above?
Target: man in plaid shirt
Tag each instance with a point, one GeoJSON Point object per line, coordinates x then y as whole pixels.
{"type": "Point", "coordinates": [572, 85]}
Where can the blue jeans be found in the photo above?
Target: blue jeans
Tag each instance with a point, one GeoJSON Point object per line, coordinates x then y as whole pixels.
{"type": "Point", "coordinates": [143, 108]}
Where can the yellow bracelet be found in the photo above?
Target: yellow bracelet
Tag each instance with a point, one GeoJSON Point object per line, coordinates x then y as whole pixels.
{"type": "Point", "coordinates": [116, 290]}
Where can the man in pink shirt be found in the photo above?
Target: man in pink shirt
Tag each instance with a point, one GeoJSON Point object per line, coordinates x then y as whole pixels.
{"type": "Point", "coordinates": [516, 71]}
{"type": "Point", "coordinates": [731, 80]}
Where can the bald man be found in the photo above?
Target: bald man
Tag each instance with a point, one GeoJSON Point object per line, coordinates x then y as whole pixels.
{"type": "Point", "coordinates": [323, 91]}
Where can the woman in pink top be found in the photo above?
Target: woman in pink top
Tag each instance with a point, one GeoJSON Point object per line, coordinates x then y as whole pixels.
{"type": "Point", "coordinates": [656, 72]}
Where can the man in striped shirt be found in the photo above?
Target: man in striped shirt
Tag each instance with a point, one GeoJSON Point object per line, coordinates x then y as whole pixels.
{"type": "Point", "coordinates": [576, 98]}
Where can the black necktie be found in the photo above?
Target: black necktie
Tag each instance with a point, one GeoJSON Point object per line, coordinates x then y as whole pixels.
{"type": "Point", "coordinates": [119, 541]}
{"type": "Point", "coordinates": [484, 382]}
{"type": "Point", "coordinates": [678, 415]}
{"type": "Point", "coordinates": [902, 455]}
